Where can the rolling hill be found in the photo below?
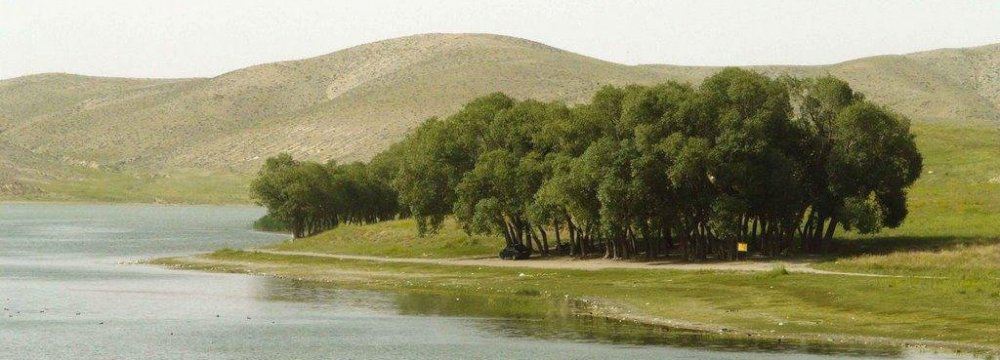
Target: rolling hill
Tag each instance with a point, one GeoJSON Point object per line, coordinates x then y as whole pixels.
{"type": "Point", "coordinates": [63, 131]}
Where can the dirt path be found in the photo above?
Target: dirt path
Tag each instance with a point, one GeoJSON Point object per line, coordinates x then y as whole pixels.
{"type": "Point", "coordinates": [597, 264]}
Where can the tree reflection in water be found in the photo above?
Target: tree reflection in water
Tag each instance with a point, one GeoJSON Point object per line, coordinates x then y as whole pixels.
{"type": "Point", "coordinates": [529, 314]}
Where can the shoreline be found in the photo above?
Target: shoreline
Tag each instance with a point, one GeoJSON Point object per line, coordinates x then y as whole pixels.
{"type": "Point", "coordinates": [593, 306]}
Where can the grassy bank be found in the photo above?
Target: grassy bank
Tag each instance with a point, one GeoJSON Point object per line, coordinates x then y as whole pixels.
{"type": "Point", "coordinates": [396, 239]}
{"type": "Point", "coordinates": [959, 312]}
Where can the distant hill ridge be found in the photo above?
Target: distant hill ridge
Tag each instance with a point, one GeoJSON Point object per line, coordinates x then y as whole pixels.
{"type": "Point", "coordinates": [352, 103]}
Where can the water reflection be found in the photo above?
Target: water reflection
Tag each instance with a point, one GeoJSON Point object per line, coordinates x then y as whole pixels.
{"type": "Point", "coordinates": [534, 317]}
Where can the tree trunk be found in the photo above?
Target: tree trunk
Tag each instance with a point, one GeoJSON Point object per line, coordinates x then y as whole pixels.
{"type": "Point", "coordinates": [545, 241]}
{"type": "Point", "coordinates": [558, 228]}
{"type": "Point", "coordinates": [828, 237]}
{"type": "Point", "coordinates": [509, 234]}
{"type": "Point", "coordinates": [525, 237]}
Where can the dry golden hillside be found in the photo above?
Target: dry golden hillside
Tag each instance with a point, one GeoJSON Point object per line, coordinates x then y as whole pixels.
{"type": "Point", "coordinates": [350, 104]}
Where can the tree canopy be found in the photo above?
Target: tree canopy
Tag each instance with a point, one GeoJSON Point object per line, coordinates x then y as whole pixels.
{"type": "Point", "coordinates": [310, 197]}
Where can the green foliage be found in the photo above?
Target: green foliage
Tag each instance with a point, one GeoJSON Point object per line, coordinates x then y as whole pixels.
{"type": "Point", "coordinates": [436, 156]}
{"type": "Point", "coordinates": [271, 224]}
{"type": "Point", "coordinates": [862, 215]}
{"type": "Point", "coordinates": [309, 197]}
{"type": "Point", "coordinates": [780, 163]}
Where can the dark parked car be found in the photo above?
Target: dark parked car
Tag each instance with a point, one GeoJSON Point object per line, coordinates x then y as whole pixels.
{"type": "Point", "coordinates": [515, 252]}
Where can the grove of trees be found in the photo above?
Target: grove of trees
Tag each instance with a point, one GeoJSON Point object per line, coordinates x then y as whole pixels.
{"type": "Point", "coordinates": [638, 171]}
{"type": "Point", "coordinates": [309, 197]}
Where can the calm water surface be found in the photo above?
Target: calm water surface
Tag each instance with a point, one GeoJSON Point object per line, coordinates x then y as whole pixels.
{"type": "Point", "coordinates": [68, 293]}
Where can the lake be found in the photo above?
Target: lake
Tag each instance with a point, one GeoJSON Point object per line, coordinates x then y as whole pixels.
{"type": "Point", "coordinates": [70, 290]}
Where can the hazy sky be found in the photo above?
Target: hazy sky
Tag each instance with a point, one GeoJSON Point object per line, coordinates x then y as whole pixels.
{"type": "Point", "coordinates": [206, 38]}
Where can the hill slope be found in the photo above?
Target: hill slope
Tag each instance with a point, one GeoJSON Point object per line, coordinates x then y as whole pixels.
{"type": "Point", "coordinates": [350, 104]}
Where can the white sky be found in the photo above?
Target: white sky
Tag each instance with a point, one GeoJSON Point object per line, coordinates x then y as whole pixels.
{"type": "Point", "coordinates": [206, 38]}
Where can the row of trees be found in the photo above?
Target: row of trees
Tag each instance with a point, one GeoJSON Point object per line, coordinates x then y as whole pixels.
{"type": "Point", "coordinates": [309, 197]}
{"type": "Point", "coordinates": [778, 163]}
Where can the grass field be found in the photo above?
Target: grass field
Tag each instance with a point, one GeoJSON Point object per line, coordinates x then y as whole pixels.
{"type": "Point", "coordinates": [953, 228]}
{"type": "Point", "coordinates": [958, 195]}
{"type": "Point", "coordinates": [959, 262]}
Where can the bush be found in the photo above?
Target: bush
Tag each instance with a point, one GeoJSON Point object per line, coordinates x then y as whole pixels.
{"type": "Point", "coordinates": [270, 224]}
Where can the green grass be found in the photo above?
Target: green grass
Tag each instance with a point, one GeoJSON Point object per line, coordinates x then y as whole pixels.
{"type": "Point", "coordinates": [776, 271]}
{"type": "Point", "coordinates": [773, 304]}
{"type": "Point", "coordinates": [959, 262]}
{"type": "Point", "coordinates": [958, 195]}
{"type": "Point", "coordinates": [396, 239]}
{"type": "Point", "coordinates": [953, 227]}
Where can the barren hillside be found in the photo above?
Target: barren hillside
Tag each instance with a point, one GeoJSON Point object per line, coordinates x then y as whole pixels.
{"type": "Point", "coordinates": [350, 104]}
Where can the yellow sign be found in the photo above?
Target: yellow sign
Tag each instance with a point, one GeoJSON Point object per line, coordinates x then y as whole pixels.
{"type": "Point", "coordinates": [741, 247]}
